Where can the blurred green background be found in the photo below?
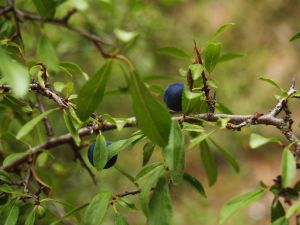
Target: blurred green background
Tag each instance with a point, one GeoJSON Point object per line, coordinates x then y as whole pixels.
{"type": "Point", "coordinates": [262, 31]}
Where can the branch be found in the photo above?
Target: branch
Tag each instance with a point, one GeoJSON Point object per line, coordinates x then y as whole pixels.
{"type": "Point", "coordinates": [44, 91]}
{"type": "Point", "coordinates": [104, 126]}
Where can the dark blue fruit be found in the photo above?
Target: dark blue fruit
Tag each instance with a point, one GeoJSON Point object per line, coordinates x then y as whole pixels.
{"type": "Point", "coordinates": [173, 95]}
{"type": "Point", "coordinates": [109, 163]}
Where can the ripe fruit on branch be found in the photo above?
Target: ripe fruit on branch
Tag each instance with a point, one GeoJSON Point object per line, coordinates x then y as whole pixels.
{"type": "Point", "coordinates": [173, 96]}
{"type": "Point", "coordinates": [109, 163]}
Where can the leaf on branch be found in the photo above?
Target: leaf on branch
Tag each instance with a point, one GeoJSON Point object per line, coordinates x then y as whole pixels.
{"type": "Point", "coordinates": [46, 8]}
{"type": "Point", "coordinates": [32, 123]}
{"type": "Point", "coordinates": [174, 153]}
{"type": "Point", "coordinates": [46, 53]}
{"type": "Point", "coordinates": [14, 73]}
{"type": "Point", "coordinates": [209, 162]}
{"type": "Point", "coordinates": [97, 209]}
{"type": "Point", "coordinates": [272, 82]}
{"type": "Point", "coordinates": [120, 220]}
{"type": "Point", "coordinates": [144, 195]}
{"type": "Point", "coordinates": [256, 140]}
{"type": "Point", "coordinates": [295, 36]}
{"type": "Point", "coordinates": [152, 117]}
{"type": "Point", "coordinates": [227, 156]}
{"type": "Point", "coordinates": [160, 206]}
{"type": "Point", "coordinates": [194, 183]}
{"type": "Point", "coordinates": [288, 167]}
{"type": "Point", "coordinates": [222, 29]}
{"type": "Point", "coordinates": [211, 55]}
{"type": "Point", "coordinates": [230, 56]}
{"type": "Point", "coordinates": [175, 52]}
{"type": "Point", "coordinates": [281, 221]}
{"type": "Point", "coordinates": [147, 152]}
{"type": "Point", "coordinates": [91, 94]}
{"type": "Point", "coordinates": [100, 154]}
{"type": "Point", "coordinates": [236, 203]}
{"type": "Point", "coordinates": [148, 170]}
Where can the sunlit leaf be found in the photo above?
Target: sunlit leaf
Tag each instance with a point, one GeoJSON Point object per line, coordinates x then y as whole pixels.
{"type": "Point", "coordinates": [15, 74]}
{"type": "Point", "coordinates": [32, 123]}
{"type": "Point", "coordinates": [288, 167]}
{"type": "Point", "coordinates": [222, 29]}
{"type": "Point", "coordinates": [239, 202]}
{"type": "Point", "coordinates": [257, 140]}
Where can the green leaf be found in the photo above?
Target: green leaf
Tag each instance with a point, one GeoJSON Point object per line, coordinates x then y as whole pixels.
{"type": "Point", "coordinates": [12, 157]}
{"type": "Point", "coordinates": [125, 36]}
{"type": "Point", "coordinates": [91, 94]}
{"type": "Point", "coordinates": [152, 117]}
{"type": "Point", "coordinates": [192, 127]}
{"type": "Point", "coordinates": [281, 221]}
{"type": "Point", "coordinates": [100, 154]}
{"type": "Point", "coordinates": [196, 70]}
{"type": "Point", "coordinates": [211, 55]}
{"type": "Point", "coordinates": [147, 152]}
{"type": "Point", "coordinates": [30, 218]}
{"type": "Point", "coordinates": [194, 183]}
{"type": "Point", "coordinates": [97, 209]}
{"type": "Point", "coordinates": [222, 29]}
{"type": "Point", "coordinates": [126, 174]}
{"type": "Point", "coordinates": [71, 128]}
{"type": "Point", "coordinates": [230, 56]}
{"type": "Point", "coordinates": [14, 73]}
{"type": "Point", "coordinates": [175, 52]}
{"type": "Point", "coordinates": [12, 213]}
{"type": "Point", "coordinates": [200, 138]}
{"type": "Point", "coordinates": [257, 140]}
{"type": "Point", "coordinates": [191, 101]}
{"type": "Point", "coordinates": [144, 196]}
{"type": "Point", "coordinates": [227, 156]}
{"type": "Point", "coordinates": [69, 214]}
{"type": "Point", "coordinates": [120, 220]}
{"type": "Point", "coordinates": [288, 167]}
{"type": "Point", "coordinates": [295, 208]}
{"type": "Point", "coordinates": [277, 210]}
{"type": "Point", "coordinates": [209, 162]}
{"type": "Point", "coordinates": [32, 123]}
{"type": "Point", "coordinates": [46, 53]}
{"type": "Point", "coordinates": [126, 204]}
{"type": "Point", "coordinates": [272, 82]}
{"type": "Point", "coordinates": [72, 67]}
{"type": "Point", "coordinates": [160, 206]}
{"type": "Point", "coordinates": [174, 154]}
{"type": "Point", "coordinates": [46, 8]}
{"type": "Point", "coordinates": [296, 36]}
{"type": "Point", "coordinates": [239, 202]}
{"type": "Point", "coordinates": [148, 170]}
